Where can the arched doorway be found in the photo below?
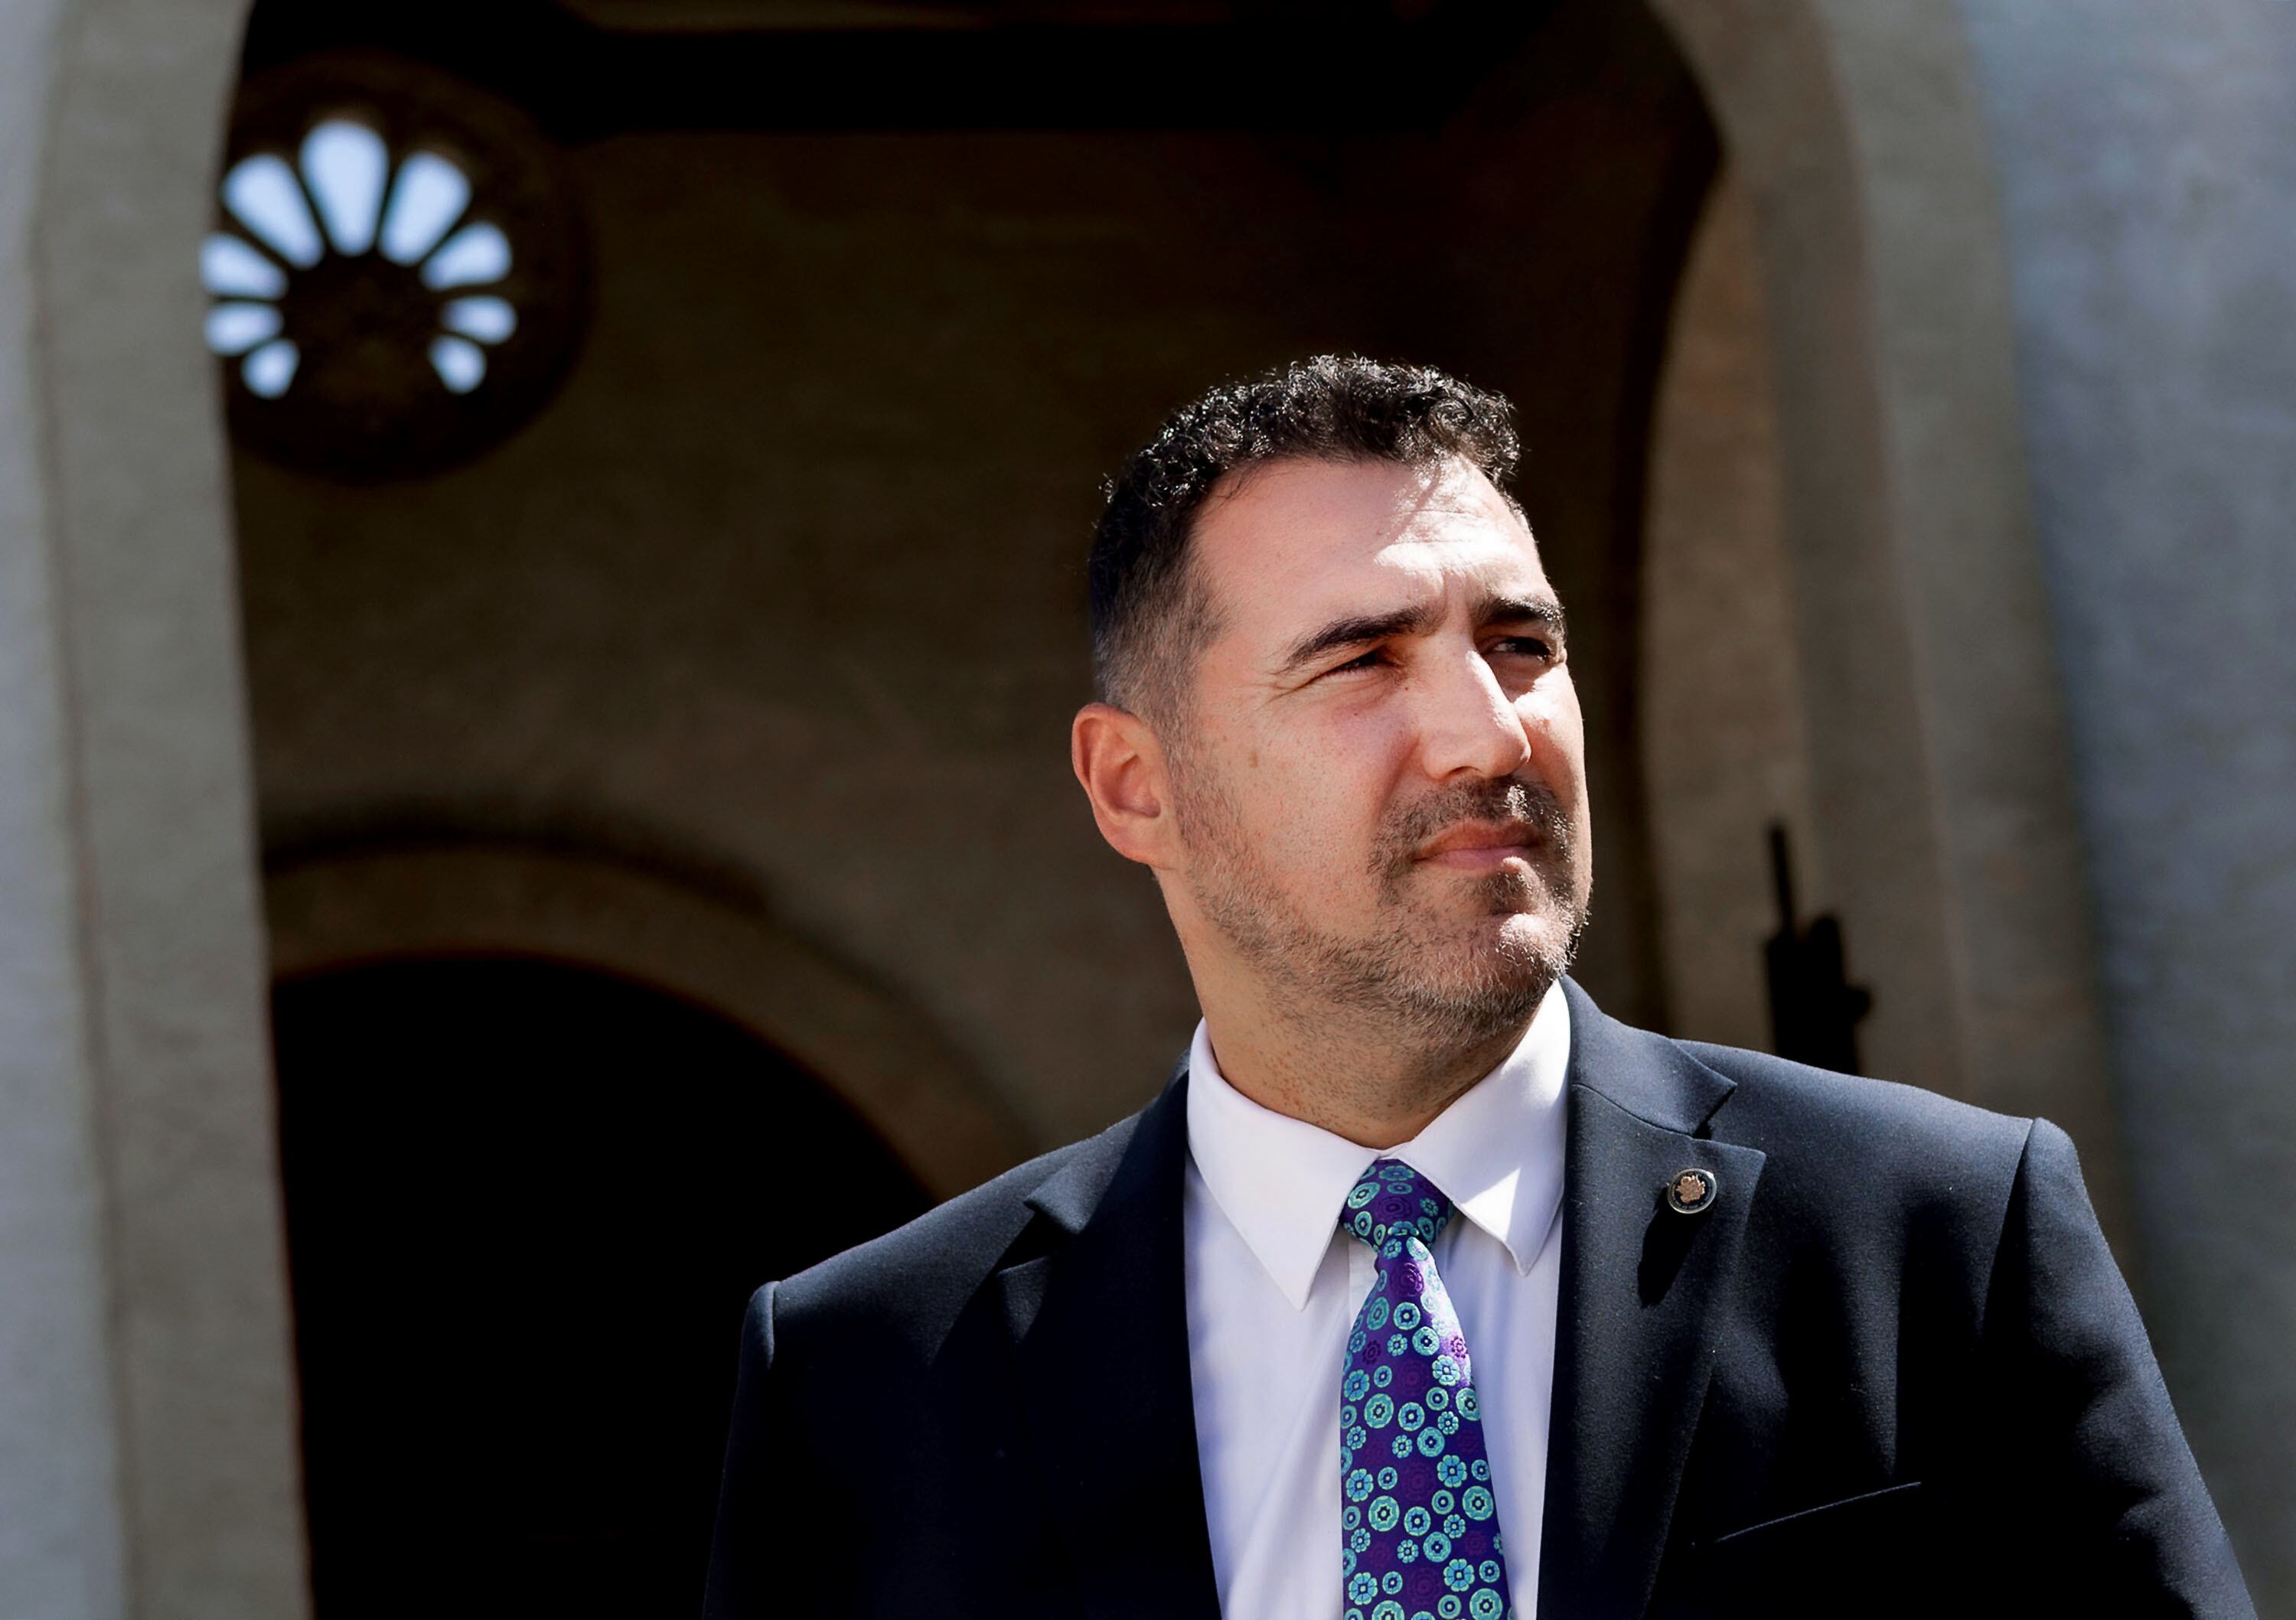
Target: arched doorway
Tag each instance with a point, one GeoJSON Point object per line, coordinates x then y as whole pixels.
{"type": "Point", "coordinates": [524, 1199]}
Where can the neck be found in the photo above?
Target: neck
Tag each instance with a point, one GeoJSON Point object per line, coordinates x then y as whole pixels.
{"type": "Point", "coordinates": [1357, 1077]}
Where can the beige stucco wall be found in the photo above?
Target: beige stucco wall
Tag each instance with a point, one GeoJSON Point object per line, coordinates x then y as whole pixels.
{"type": "Point", "coordinates": [2148, 171]}
{"type": "Point", "coordinates": [1940, 786]}
{"type": "Point", "coordinates": [1721, 696]}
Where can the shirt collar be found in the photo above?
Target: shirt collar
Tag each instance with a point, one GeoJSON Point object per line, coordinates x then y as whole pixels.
{"type": "Point", "coordinates": [1497, 1152]}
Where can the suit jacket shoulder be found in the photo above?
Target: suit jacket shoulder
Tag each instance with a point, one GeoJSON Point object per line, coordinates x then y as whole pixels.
{"type": "Point", "coordinates": [1786, 1096]}
{"type": "Point", "coordinates": [1883, 1163]}
{"type": "Point", "coordinates": [915, 1281]}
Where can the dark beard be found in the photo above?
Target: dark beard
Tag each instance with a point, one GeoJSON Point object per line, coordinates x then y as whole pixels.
{"type": "Point", "coordinates": [1387, 978]}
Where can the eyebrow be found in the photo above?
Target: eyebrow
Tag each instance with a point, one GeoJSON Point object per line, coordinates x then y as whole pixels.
{"type": "Point", "coordinates": [1362, 629]}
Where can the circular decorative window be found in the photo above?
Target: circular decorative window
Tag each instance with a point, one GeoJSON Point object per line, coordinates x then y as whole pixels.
{"type": "Point", "coordinates": [397, 273]}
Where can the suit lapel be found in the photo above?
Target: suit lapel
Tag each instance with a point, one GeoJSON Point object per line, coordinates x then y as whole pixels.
{"type": "Point", "coordinates": [1641, 1286]}
{"type": "Point", "coordinates": [1099, 1324]}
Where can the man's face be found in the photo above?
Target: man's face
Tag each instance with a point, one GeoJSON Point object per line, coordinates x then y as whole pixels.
{"type": "Point", "coordinates": [1381, 788]}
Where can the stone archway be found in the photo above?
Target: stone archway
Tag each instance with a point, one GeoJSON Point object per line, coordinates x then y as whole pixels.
{"type": "Point", "coordinates": [1942, 811]}
{"type": "Point", "coordinates": [491, 898]}
{"type": "Point", "coordinates": [152, 1466]}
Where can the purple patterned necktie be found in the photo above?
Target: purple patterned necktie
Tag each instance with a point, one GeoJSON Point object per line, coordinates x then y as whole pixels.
{"type": "Point", "coordinates": [1421, 1528]}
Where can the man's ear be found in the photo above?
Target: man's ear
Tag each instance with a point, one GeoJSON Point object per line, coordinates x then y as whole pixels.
{"type": "Point", "coordinates": [1120, 763]}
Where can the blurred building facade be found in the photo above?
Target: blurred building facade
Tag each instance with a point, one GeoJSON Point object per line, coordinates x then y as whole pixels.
{"type": "Point", "coordinates": [649, 774]}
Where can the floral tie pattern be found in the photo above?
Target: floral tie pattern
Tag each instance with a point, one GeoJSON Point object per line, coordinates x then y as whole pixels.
{"type": "Point", "coordinates": [1419, 1528]}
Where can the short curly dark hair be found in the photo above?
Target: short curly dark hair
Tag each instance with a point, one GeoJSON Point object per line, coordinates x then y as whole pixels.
{"type": "Point", "coordinates": [1150, 616]}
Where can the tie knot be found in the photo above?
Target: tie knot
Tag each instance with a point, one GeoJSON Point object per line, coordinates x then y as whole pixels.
{"type": "Point", "coordinates": [1392, 1202]}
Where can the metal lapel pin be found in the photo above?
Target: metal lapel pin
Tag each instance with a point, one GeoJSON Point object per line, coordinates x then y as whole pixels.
{"type": "Point", "coordinates": [1692, 1192]}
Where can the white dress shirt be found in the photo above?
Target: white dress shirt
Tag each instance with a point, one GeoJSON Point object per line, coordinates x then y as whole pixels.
{"type": "Point", "coordinates": [1273, 1287]}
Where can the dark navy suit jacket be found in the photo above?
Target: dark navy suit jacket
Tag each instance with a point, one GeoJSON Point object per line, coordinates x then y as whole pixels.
{"type": "Point", "coordinates": [1890, 1371]}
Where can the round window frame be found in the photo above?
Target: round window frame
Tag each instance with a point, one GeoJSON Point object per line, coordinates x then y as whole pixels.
{"type": "Point", "coordinates": [519, 181]}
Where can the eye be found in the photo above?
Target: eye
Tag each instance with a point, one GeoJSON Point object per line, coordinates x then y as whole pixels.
{"type": "Point", "coordinates": [1526, 646]}
{"type": "Point", "coordinates": [1363, 661]}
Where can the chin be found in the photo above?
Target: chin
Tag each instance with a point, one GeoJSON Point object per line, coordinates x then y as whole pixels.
{"type": "Point", "coordinates": [1500, 976]}
{"type": "Point", "coordinates": [1539, 940]}
{"type": "Point", "coordinates": [1527, 951]}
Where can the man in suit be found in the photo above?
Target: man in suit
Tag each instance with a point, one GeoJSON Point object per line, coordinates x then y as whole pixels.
{"type": "Point", "coordinates": [1425, 1290]}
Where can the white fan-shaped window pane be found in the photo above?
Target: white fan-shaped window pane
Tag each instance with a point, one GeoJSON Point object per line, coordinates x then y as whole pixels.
{"type": "Point", "coordinates": [263, 195]}
{"type": "Point", "coordinates": [489, 320]}
{"type": "Point", "coordinates": [230, 268]}
{"type": "Point", "coordinates": [270, 369]}
{"type": "Point", "coordinates": [461, 367]}
{"type": "Point", "coordinates": [345, 165]}
{"type": "Point", "coordinates": [428, 197]}
{"type": "Point", "coordinates": [233, 329]}
{"type": "Point", "coordinates": [471, 257]}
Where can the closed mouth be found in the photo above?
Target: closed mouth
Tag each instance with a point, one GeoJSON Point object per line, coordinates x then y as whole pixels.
{"type": "Point", "coordinates": [1481, 843]}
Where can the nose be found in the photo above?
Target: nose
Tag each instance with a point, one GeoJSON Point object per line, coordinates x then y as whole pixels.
{"type": "Point", "coordinates": [1467, 722]}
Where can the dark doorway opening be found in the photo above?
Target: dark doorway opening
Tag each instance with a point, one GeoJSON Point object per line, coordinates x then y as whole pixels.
{"type": "Point", "coordinates": [526, 1201]}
